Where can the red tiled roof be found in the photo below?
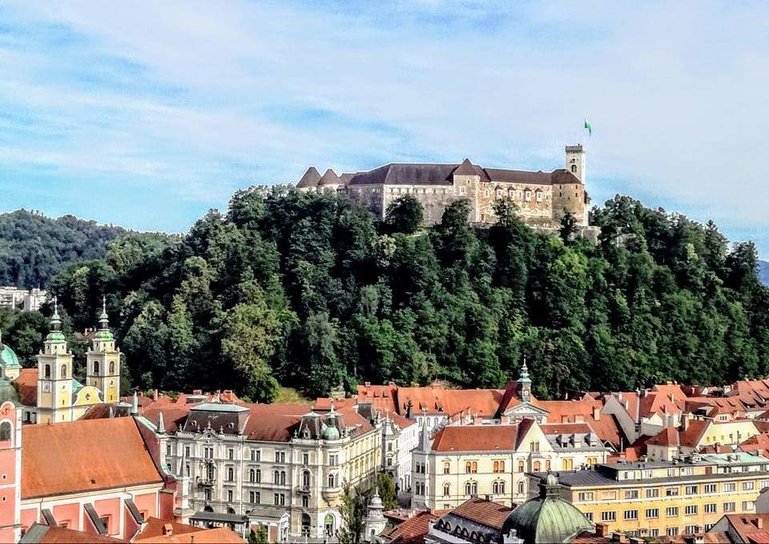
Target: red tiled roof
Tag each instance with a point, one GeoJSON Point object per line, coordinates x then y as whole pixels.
{"type": "Point", "coordinates": [323, 404]}
{"type": "Point", "coordinates": [437, 400]}
{"type": "Point", "coordinates": [667, 437]}
{"type": "Point", "coordinates": [668, 399]}
{"type": "Point", "coordinates": [413, 530]}
{"type": "Point", "coordinates": [476, 438]}
{"type": "Point", "coordinates": [221, 535]}
{"type": "Point", "coordinates": [693, 433]}
{"type": "Point", "coordinates": [27, 386]}
{"type": "Point", "coordinates": [155, 526]}
{"type": "Point", "coordinates": [747, 525]}
{"type": "Point", "coordinates": [174, 414]}
{"type": "Point", "coordinates": [83, 456]}
{"type": "Point", "coordinates": [566, 428]}
{"type": "Point", "coordinates": [401, 421]}
{"type": "Point", "coordinates": [758, 443]}
{"type": "Point", "coordinates": [568, 411]}
{"type": "Point", "coordinates": [62, 535]}
{"type": "Point", "coordinates": [382, 397]}
{"type": "Point", "coordinates": [491, 514]}
{"type": "Point", "coordinates": [273, 422]}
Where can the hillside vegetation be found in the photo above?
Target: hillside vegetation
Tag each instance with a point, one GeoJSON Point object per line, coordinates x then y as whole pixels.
{"type": "Point", "coordinates": [306, 291]}
{"type": "Point", "coordinates": [33, 247]}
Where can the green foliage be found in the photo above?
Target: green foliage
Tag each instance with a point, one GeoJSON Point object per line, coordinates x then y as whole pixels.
{"type": "Point", "coordinates": [258, 536]}
{"type": "Point", "coordinates": [404, 215]}
{"type": "Point", "coordinates": [352, 508]}
{"type": "Point", "coordinates": [385, 485]}
{"type": "Point", "coordinates": [307, 291]}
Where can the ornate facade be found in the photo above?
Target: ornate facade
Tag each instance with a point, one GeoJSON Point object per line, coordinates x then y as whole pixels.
{"type": "Point", "coordinates": [540, 198]}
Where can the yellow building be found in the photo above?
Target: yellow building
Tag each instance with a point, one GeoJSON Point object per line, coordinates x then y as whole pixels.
{"type": "Point", "coordinates": [667, 498]}
{"type": "Point", "coordinates": [103, 363]}
{"type": "Point", "coordinates": [672, 443]}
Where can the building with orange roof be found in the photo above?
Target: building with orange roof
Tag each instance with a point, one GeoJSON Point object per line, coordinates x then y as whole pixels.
{"type": "Point", "coordinates": [281, 466]}
{"type": "Point", "coordinates": [461, 461]}
{"type": "Point", "coordinates": [742, 528]}
{"type": "Point", "coordinates": [696, 434]}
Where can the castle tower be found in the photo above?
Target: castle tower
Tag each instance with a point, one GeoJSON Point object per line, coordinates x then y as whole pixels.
{"type": "Point", "coordinates": [10, 466]}
{"type": "Point", "coordinates": [103, 361]}
{"type": "Point", "coordinates": [575, 161]}
{"type": "Point", "coordinates": [524, 384]}
{"type": "Point", "coordinates": [54, 378]}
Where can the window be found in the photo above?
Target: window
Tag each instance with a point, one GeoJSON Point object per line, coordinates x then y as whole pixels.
{"type": "Point", "coordinates": [711, 508]}
{"type": "Point", "coordinates": [471, 467]}
{"type": "Point", "coordinates": [5, 431]}
{"type": "Point", "coordinates": [748, 486]}
{"type": "Point", "coordinates": [540, 196]}
{"type": "Point", "coordinates": [229, 496]}
{"type": "Point", "coordinates": [631, 494]}
{"type": "Point", "coordinates": [208, 453]}
{"type": "Point", "coordinates": [537, 466]}
{"type": "Point", "coordinates": [63, 372]}
{"type": "Point", "coordinates": [332, 460]}
{"type": "Point", "coordinates": [692, 489]}
{"type": "Point", "coordinates": [573, 168]}
{"type": "Point", "coordinates": [567, 464]}
{"type": "Point", "coordinates": [230, 454]}
{"type": "Point", "coordinates": [747, 505]}
{"type": "Point", "coordinates": [446, 467]}
{"type": "Point", "coordinates": [471, 488]}
{"type": "Point", "coordinates": [631, 515]}
{"type": "Point", "coordinates": [499, 466]}
{"type": "Point", "coordinates": [280, 457]}
{"type": "Point", "coordinates": [652, 493]}
{"type": "Point", "coordinates": [111, 367]}
{"type": "Point", "coordinates": [279, 499]}
{"type": "Point", "coordinates": [520, 488]}
{"type": "Point", "coordinates": [230, 474]}
{"type": "Point", "coordinates": [498, 488]}
{"type": "Point", "coordinates": [654, 532]}
{"type": "Point", "coordinates": [252, 476]}
{"type": "Point", "coordinates": [710, 488]}
{"type": "Point", "coordinates": [256, 455]}
{"type": "Point", "coordinates": [47, 371]}
{"type": "Point", "coordinates": [527, 196]}
{"type": "Point", "coordinates": [207, 494]}
{"type": "Point", "coordinates": [254, 497]}
{"type": "Point", "coordinates": [276, 477]}
{"type": "Point", "coordinates": [446, 489]}
{"type": "Point", "coordinates": [331, 480]}
{"type": "Point", "coordinates": [186, 451]}
{"type": "Point", "coordinates": [653, 513]}
{"type": "Point", "coordinates": [534, 446]}
{"type": "Point", "coordinates": [671, 491]}
{"type": "Point", "coordinates": [306, 476]}
{"type": "Point", "coordinates": [589, 516]}
{"type": "Point", "coordinates": [729, 487]}
{"type": "Point", "coordinates": [609, 516]}
{"type": "Point", "coordinates": [691, 529]}
{"type": "Point", "coordinates": [96, 367]}
{"type": "Point", "coordinates": [729, 507]}
{"type": "Point", "coordinates": [671, 511]}
{"type": "Point", "coordinates": [585, 496]}
{"type": "Point", "coordinates": [521, 466]}
{"type": "Point", "coordinates": [690, 510]}
{"type": "Point", "coordinates": [671, 531]}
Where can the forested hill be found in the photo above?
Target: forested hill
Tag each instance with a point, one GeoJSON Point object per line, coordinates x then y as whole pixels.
{"type": "Point", "coordinates": [304, 290]}
{"type": "Point", "coordinates": [763, 272]}
{"type": "Point", "coordinates": [33, 247]}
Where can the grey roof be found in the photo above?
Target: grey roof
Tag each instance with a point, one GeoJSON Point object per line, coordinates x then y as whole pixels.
{"type": "Point", "coordinates": [466, 169]}
{"type": "Point", "coordinates": [218, 517]}
{"type": "Point", "coordinates": [266, 513]}
{"type": "Point", "coordinates": [134, 511]}
{"type": "Point", "coordinates": [309, 179]}
{"type": "Point", "coordinates": [34, 534]}
{"type": "Point", "coordinates": [95, 519]}
{"type": "Point", "coordinates": [218, 407]}
{"type": "Point", "coordinates": [329, 178]}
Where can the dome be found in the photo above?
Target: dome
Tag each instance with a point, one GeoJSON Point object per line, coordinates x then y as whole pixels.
{"type": "Point", "coordinates": [7, 357]}
{"type": "Point", "coordinates": [547, 518]}
{"type": "Point", "coordinates": [330, 433]}
{"type": "Point", "coordinates": [8, 392]}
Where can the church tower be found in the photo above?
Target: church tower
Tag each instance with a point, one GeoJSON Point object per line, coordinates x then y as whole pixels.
{"type": "Point", "coordinates": [54, 375]}
{"type": "Point", "coordinates": [10, 466]}
{"type": "Point", "coordinates": [103, 361]}
{"type": "Point", "coordinates": [524, 384]}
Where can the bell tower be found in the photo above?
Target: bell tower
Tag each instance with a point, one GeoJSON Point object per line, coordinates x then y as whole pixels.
{"type": "Point", "coordinates": [103, 360]}
{"type": "Point", "coordinates": [524, 384]}
{"type": "Point", "coordinates": [575, 161]}
{"type": "Point", "coordinates": [54, 378]}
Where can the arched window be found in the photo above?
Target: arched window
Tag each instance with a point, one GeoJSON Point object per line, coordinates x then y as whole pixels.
{"type": "Point", "coordinates": [573, 168]}
{"type": "Point", "coordinates": [112, 367]}
{"type": "Point", "coordinates": [63, 372]}
{"type": "Point", "coordinates": [520, 488]}
{"type": "Point", "coordinates": [306, 478]}
{"type": "Point", "coordinates": [276, 477]}
{"type": "Point", "coordinates": [5, 431]}
{"type": "Point", "coordinates": [446, 489]}
{"type": "Point", "coordinates": [282, 477]}
{"type": "Point", "coordinates": [96, 367]}
{"type": "Point", "coordinates": [499, 488]}
{"type": "Point", "coordinates": [520, 466]}
{"type": "Point", "coordinates": [547, 464]}
{"type": "Point", "coordinates": [230, 474]}
{"type": "Point", "coordinates": [537, 466]}
{"type": "Point", "coordinates": [331, 480]}
{"type": "Point", "coordinates": [252, 475]}
{"type": "Point", "coordinates": [447, 467]}
{"type": "Point", "coordinates": [471, 488]}
{"type": "Point", "coordinates": [47, 371]}
{"type": "Point", "coordinates": [258, 475]}
{"type": "Point", "coordinates": [527, 195]}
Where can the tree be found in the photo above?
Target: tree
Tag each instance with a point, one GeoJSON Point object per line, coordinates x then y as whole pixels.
{"type": "Point", "coordinates": [385, 485]}
{"type": "Point", "coordinates": [568, 227]}
{"type": "Point", "coordinates": [404, 214]}
{"type": "Point", "coordinates": [352, 507]}
{"type": "Point", "coordinates": [258, 536]}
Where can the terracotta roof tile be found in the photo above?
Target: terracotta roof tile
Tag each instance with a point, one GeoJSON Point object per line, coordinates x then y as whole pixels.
{"type": "Point", "coordinates": [84, 456]}
{"type": "Point", "coordinates": [476, 438]}
{"type": "Point", "coordinates": [437, 400]}
{"type": "Point", "coordinates": [27, 386]}
{"type": "Point", "coordinates": [155, 526]}
{"type": "Point", "coordinates": [747, 525]}
{"type": "Point", "coordinates": [413, 530]}
{"type": "Point", "coordinates": [61, 535]}
{"type": "Point", "coordinates": [489, 513]}
{"type": "Point", "coordinates": [221, 535]}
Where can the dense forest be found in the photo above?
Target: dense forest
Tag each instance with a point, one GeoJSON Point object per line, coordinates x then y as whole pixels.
{"type": "Point", "coordinates": [33, 247]}
{"type": "Point", "coordinates": [305, 290]}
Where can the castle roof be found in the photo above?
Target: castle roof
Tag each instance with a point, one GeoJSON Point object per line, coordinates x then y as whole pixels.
{"type": "Point", "coordinates": [74, 457]}
{"type": "Point", "coordinates": [329, 178]}
{"type": "Point", "coordinates": [465, 169]}
{"type": "Point", "coordinates": [309, 179]}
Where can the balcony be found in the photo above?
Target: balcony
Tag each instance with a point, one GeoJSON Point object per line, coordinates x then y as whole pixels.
{"type": "Point", "coordinates": [203, 484]}
{"type": "Point", "coordinates": [304, 489]}
{"type": "Point", "coordinates": [331, 494]}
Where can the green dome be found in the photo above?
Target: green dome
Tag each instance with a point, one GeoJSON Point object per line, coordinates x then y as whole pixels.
{"type": "Point", "coordinates": [8, 358]}
{"type": "Point", "coordinates": [547, 518]}
{"type": "Point", "coordinates": [8, 392]}
{"type": "Point", "coordinates": [330, 433]}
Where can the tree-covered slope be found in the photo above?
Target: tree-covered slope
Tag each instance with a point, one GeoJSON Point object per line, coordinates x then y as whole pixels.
{"type": "Point", "coordinates": [33, 247]}
{"type": "Point", "coordinates": [763, 272]}
{"type": "Point", "coordinates": [308, 291]}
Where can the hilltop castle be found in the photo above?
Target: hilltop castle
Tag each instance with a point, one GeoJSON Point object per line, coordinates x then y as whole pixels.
{"type": "Point", "coordinates": [541, 198]}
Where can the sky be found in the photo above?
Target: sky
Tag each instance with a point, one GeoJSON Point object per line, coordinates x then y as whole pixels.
{"type": "Point", "coordinates": [147, 114]}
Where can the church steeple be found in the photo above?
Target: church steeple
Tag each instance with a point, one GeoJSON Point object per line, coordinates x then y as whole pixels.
{"type": "Point", "coordinates": [524, 383]}
{"type": "Point", "coordinates": [54, 378]}
{"type": "Point", "coordinates": [103, 360]}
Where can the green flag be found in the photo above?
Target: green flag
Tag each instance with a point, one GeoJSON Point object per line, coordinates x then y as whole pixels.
{"type": "Point", "coordinates": [589, 128]}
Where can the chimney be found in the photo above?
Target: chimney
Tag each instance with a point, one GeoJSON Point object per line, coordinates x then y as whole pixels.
{"type": "Point", "coordinates": [597, 413]}
{"type": "Point", "coordinates": [601, 529]}
{"type": "Point", "coordinates": [168, 529]}
{"type": "Point", "coordinates": [154, 394]}
{"type": "Point", "coordinates": [684, 423]}
{"type": "Point", "coordinates": [759, 522]}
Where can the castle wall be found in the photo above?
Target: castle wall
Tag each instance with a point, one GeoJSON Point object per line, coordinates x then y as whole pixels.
{"type": "Point", "coordinates": [533, 202]}
{"type": "Point", "coordinates": [569, 197]}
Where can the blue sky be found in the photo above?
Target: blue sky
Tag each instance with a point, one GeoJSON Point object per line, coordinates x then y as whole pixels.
{"type": "Point", "coordinates": [147, 114]}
